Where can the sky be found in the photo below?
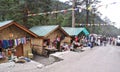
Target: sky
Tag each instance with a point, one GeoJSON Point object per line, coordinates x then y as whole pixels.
{"type": "Point", "coordinates": [109, 9]}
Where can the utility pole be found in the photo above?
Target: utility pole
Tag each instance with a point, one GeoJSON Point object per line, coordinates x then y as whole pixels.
{"type": "Point", "coordinates": [56, 10]}
{"type": "Point", "coordinates": [73, 13]}
{"type": "Point", "coordinates": [93, 26]}
{"type": "Point", "coordinates": [87, 12]}
{"type": "Point", "coordinates": [25, 13]}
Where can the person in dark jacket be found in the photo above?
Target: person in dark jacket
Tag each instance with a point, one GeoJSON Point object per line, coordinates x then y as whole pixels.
{"type": "Point", "coordinates": [104, 40]}
{"type": "Point", "coordinates": [92, 40]}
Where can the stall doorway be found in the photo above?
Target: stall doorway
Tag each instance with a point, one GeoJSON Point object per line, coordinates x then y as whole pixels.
{"type": "Point", "coordinates": [19, 50]}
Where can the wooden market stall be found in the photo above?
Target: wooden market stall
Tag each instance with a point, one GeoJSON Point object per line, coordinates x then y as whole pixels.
{"type": "Point", "coordinates": [78, 31]}
{"type": "Point", "coordinates": [16, 39]}
{"type": "Point", "coordinates": [79, 36]}
{"type": "Point", "coordinates": [48, 37]}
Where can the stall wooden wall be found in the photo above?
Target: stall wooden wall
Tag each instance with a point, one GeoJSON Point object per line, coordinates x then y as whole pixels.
{"type": "Point", "coordinates": [52, 36]}
{"type": "Point", "coordinates": [17, 33]}
{"type": "Point", "coordinates": [37, 45]}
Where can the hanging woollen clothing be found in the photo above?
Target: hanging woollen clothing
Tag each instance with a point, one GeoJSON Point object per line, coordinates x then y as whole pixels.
{"type": "Point", "coordinates": [23, 40]}
{"type": "Point", "coordinates": [15, 42]}
{"type": "Point", "coordinates": [76, 38]}
{"type": "Point", "coordinates": [19, 41]}
{"type": "Point", "coordinates": [58, 39]}
{"type": "Point", "coordinates": [10, 43]}
{"type": "Point", "coordinates": [5, 44]}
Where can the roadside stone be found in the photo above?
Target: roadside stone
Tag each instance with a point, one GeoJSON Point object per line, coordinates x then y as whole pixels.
{"type": "Point", "coordinates": [40, 66]}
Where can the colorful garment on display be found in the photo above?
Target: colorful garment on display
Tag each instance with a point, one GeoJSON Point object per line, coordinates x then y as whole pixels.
{"type": "Point", "coordinates": [5, 43]}
{"type": "Point", "coordinates": [14, 42]}
{"type": "Point", "coordinates": [23, 40]}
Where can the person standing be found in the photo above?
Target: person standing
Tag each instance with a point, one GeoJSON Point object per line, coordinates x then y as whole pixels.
{"type": "Point", "coordinates": [92, 40]}
{"type": "Point", "coordinates": [101, 41]}
{"type": "Point", "coordinates": [58, 43]}
{"type": "Point", "coordinates": [104, 41]}
{"type": "Point", "coordinates": [110, 39]}
{"type": "Point", "coordinates": [9, 54]}
{"type": "Point", "coordinates": [113, 40]}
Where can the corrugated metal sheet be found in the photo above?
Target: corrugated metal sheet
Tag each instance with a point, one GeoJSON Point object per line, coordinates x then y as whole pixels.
{"type": "Point", "coordinates": [43, 30]}
{"type": "Point", "coordinates": [5, 23]}
{"type": "Point", "coordinates": [85, 31]}
{"type": "Point", "coordinates": [75, 31]}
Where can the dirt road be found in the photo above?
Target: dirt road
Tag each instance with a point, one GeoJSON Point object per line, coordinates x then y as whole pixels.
{"type": "Point", "coordinates": [98, 59]}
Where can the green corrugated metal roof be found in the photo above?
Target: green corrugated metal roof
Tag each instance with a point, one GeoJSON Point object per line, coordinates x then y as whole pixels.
{"type": "Point", "coordinates": [5, 23]}
{"type": "Point", "coordinates": [43, 30]}
{"type": "Point", "coordinates": [75, 31]}
{"type": "Point", "coordinates": [85, 31]}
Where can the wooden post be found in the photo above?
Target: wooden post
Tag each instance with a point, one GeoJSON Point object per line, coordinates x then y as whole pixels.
{"type": "Point", "coordinates": [73, 13]}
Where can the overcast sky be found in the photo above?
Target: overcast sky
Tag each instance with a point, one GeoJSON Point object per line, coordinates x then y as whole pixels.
{"type": "Point", "coordinates": [112, 11]}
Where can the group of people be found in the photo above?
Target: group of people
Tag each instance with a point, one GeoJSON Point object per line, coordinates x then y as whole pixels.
{"type": "Point", "coordinates": [76, 42]}
{"type": "Point", "coordinates": [112, 40]}
{"type": "Point", "coordinates": [103, 40]}
{"type": "Point", "coordinates": [82, 41]}
{"type": "Point", "coordinates": [7, 53]}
